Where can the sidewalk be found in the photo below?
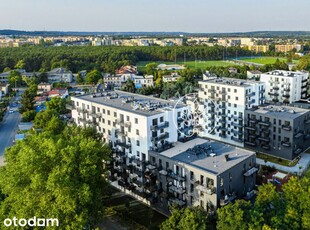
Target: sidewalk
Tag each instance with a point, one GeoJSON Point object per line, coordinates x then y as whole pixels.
{"type": "Point", "coordinates": [298, 169]}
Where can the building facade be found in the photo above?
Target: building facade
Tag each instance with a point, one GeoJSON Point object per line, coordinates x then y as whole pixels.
{"type": "Point", "coordinates": [285, 86]}
{"type": "Point", "coordinates": [279, 131]}
{"type": "Point", "coordinates": [59, 75]}
{"type": "Point", "coordinates": [223, 102]}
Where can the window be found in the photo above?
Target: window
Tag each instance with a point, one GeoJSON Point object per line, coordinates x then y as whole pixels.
{"type": "Point", "coordinates": [235, 90]}
{"type": "Point", "coordinates": [98, 109]}
{"type": "Point", "coordinates": [109, 132]}
{"type": "Point", "coordinates": [115, 114]}
{"type": "Point", "coordinates": [103, 111]}
{"type": "Point", "coordinates": [108, 112]}
{"type": "Point", "coordinates": [162, 131]}
{"type": "Point", "coordinates": [191, 175]}
{"type": "Point", "coordinates": [235, 105]}
{"type": "Point", "coordinates": [138, 154]}
{"type": "Point", "coordinates": [109, 122]}
{"type": "Point", "coordinates": [228, 89]}
{"type": "Point", "coordinates": [237, 98]}
{"type": "Point", "coordinates": [138, 143]}
{"type": "Point", "coordinates": [127, 118]}
{"type": "Point", "coordinates": [137, 132]}
{"type": "Point", "coordinates": [103, 130]}
{"type": "Point", "coordinates": [136, 120]}
{"type": "Point", "coordinates": [161, 119]}
{"type": "Point", "coordinates": [103, 120]}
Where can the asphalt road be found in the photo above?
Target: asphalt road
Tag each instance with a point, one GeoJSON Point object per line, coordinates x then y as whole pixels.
{"type": "Point", "coordinates": [8, 129]}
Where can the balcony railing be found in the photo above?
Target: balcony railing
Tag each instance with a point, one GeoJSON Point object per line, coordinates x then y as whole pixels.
{"type": "Point", "coordinates": [287, 89]}
{"type": "Point", "coordinates": [286, 144]}
{"type": "Point", "coordinates": [287, 127]}
{"type": "Point", "coordinates": [264, 123]}
{"type": "Point", "coordinates": [160, 137]}
{"type": "Point", "coordinates": [208, 190]}
{"type": "Point", "coordinates": [250, 143]}
{"type": "Point", "coordinates": [174, 188]}
{"type": "Point", "coordinates": [160, 126]}
{"type": "Point", "coordinates": [267, 147]}
{"type": "Point", "coordinates": [176, 176]}
{"type": "Point", "coordinates": [227, 199]}
{"type": "Point", "coordinates": [266, 139]}
{"type": "Point", "coordinates": [307, 121]}
{"type": "Point", "coordinates": [123, 144]}
{"type": "Point", "coordinates": [250, 171]}
{"type": "Point", "coordinates": [250, 128]}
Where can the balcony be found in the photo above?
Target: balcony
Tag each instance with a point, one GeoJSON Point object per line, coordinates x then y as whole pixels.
{"type": "Point", "coordinates": [211, 105]}
{"type": "Point", "coordinates": [250, 143]}
{"type": "Point", "coordinates": [287, 89]}
{"type": "Point", "coordinates": [237, 118]}
{"type": "Point", "coordinates": [304, 80]}
{"type": "Point", "coordinates": [160, 137]}
{"type": "Point", "coordinates": [123, 144]}
{"type": "Point", "coordinates": [227, 199]}
{"type": "Point", "coordinates": [275, 100]}
{"type": "Point", "coordinates": [120, 132]}
{"type": "Point", "coordinates": [177, 201]}
{"type": "Point", "coordinates": [211, 90]}
{"type": "Point", "coordinates": [237, 124]}
{"type": "Point", "coordinates": [174, 188]}
{"type": "Point", "coordinates": [176, 176]}
{"type": "Point", "coordinates": [298, 135]}
{"type": "Point", "coordinates": [264, 123]}
{"type": "Point", "coordinates": [273, 94]}
{"type": "Point", "coordinates": [250, 171]}
{"type": "Point", "coordinates": [276, 87]}
{"type": "Point", "coordinates": [266, 139]}
{"type": "Point", "coordinates": [160, 126]}
{"type": "Point", "coordinates": [250, 94]}
{"type": "Point", "coordinates": [287, 127]}
{"type": "Point", "coordinates": [119, 121]}
{"type": "Point", "coordinates": [286, 144]}
{"type": "Point", "coordinates": [266, 147]}
{"type": "Point", "coordinates": [162, 147]}
{"type": "Point", "coordinates": [223, 121]}
{"type": "Point", "coordinates": [208, 190]}
{"type": "Point", "coordinates": [250, 128]}
{"type": "Point", "coordinates": [266, 132]}
{"type": "Point", "coordinates": [286, 95]}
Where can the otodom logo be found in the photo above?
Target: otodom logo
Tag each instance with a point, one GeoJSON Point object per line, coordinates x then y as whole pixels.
{"type": "Point", "coordinates": [32, 222]}
{"type": "Point", "coordinates": [194, 120]}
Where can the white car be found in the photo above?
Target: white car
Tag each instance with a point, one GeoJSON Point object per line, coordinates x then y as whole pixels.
{"type": "Point", "coordinates": [11, 111]}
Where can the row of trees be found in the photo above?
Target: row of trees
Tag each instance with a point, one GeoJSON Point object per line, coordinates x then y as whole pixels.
{"type": "Point", "coordinates": [271, 210]}
{"type": "Point", "coordinates": [54, 174]}
{"type": "Point", "coordinates": [106, 59]}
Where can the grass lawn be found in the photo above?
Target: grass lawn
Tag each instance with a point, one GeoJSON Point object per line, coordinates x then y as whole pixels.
{"type": "Point", "coordinates": [190, 64]}
{"type": "Point", "coordinates": [132, 213]}
{"type": "Point", "coordinates": [276, 160]}
{"type": "Point", "coordinates": [264, 60]}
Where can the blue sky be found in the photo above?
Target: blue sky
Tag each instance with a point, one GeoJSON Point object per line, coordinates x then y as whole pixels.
{"type": "Point", "coordinates": [156, 15]}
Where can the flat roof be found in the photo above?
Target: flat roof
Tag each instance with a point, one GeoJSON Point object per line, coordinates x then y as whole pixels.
{"type": "Point", "coordinates": [285, 73]}
{"type": "Point", "coordinates": [198, 153]}
{"type": "Point", "coordinates": [278, 111]}
{"type": "Point", "coordinates": [231, 81]}
{"type": "Point", "coordinates": [134, 103]}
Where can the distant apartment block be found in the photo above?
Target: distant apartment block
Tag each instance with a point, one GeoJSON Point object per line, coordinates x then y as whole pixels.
{"type": "Point", "coordinates": [258, 48]}
{"type": "Point", "coordinates": [288, 47]}
{"type": "Point", "coordinates": [59, 75]}
{"type": "Point", "coordinates": [279, 131]}
{"type": "Point", "coordinates": [224, 101]}
{"type": "Point", "coordinates": [144, 81]}
{"type": "Point", "coordinates": [285, 86]}
{"type": "Point", "coordinates": [4, 76]}
{"type": "Point", "coordinates": [171, 78]}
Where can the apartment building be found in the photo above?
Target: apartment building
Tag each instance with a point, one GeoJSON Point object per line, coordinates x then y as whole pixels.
{"type": "Point", "coordinates": [281, 131]}
{"type": "Point", "coordinates": [258, 48]}
{"type": "Point", "coordinates": [288, 47]}
{"type": "Point", "coordinates": [59, 75]}
{"type": "Point", "coordinates": [202, 173]}
{"type": "Point", "coordinates": [285, 86]}
{"type": "Point", "coordinates": [144, 81]}
{"type": "Point", "coordinates": [133, 124]}
{"type": "Point", "coordinates": [223, 102]}
{"type": "Point", "coordinates": [253, 74]}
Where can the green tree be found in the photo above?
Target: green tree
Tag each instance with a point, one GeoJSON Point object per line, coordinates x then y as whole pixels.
{"type": "Point", "coordinates": [20, 64]}
{"type": "Point", "coordinates": [79, 79]}
{"type": "Point", "coordinates": [27, 101]}
{"type": "Point", "coordinates": [150, 68]}
{"type": "Point", "coordinates": [15, 78]}
{"type": "Point", "coordinates": [193, 218]}
{"type": "Point", "coordinates": [93, 77]}
{"type": "Point", "coordinates": [57, 104]}
{"type": "Point", "coordinates": [234, 216]}
{"type": "Point", "coordinates": [28, 115]}
{"type": "Point", "coordinates": [57, 176]}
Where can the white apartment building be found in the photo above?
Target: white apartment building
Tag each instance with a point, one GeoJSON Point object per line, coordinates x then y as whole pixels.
{"type": "Point", "coordinates": [223, 102]}
{"type": "Point", "coordinates": [59, 75]}
{"type": "Point", "coordinates": [144, 81]}
{"type": "Point", "coordinates": [285, 86]}
{"type": "Point", "coordinates": [133, 124]}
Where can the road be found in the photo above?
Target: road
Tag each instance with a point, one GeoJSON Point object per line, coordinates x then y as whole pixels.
{"type": "Point", "coordinates": [8, 129]}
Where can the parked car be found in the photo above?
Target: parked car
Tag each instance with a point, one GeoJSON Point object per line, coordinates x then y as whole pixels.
{"type": "Point", "coordinates": [11, 111]}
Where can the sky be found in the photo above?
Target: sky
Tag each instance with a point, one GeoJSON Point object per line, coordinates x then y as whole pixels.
{"type": "Point", "coordinates": [202, 16]}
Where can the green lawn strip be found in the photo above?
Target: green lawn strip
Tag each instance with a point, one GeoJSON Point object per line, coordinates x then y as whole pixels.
{"type": "Point", "coordinates": [276, 160]}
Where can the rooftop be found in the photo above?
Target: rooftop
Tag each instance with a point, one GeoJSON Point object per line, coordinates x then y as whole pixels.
{"type": "Point", "coordinates": [286, 73]}
{"type": "Point", "coordinates": [134, 103]}
{"type": "Point", "coordinates": [231, 81]}
{"type": "Point", "coordinates": [207, 155]}
{"type": "Point", "coordinates": [288, 112]}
